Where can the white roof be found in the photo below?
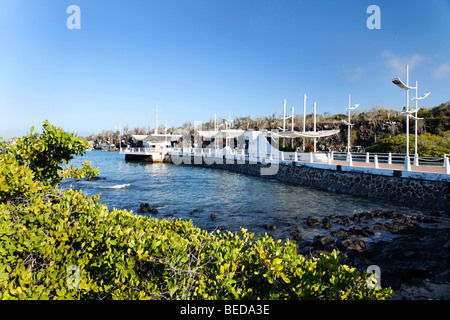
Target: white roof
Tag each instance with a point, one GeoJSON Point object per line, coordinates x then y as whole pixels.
{"type": "Point", "coordinates": [139, 137]}
{"type": "Point", "coordinates": [157, 137]}
{"type": "Point", "coordinates": [221, 134]}
{"type": "Point", "coordinates": [307, 134]}
{"type": "Point", "coordinates": [163, 137]}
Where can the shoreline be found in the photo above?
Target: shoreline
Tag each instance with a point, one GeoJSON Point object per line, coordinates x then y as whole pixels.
{"type": "Point", "coordinates": [412, 251]}
{"type": "Point", "coordinates": [413, 255]}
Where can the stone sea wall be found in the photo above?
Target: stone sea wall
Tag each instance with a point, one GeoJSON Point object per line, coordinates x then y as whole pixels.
{"type": "Point", "coordinates": [396, 189]}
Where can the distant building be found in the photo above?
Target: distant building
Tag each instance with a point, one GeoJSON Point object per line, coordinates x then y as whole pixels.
{"type": "Point", "coordinates": [12, 141]}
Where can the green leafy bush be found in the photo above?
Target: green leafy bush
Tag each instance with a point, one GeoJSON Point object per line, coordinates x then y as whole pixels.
{"type": "Point", "coordinates": [57, 244]}
{"type": "Point", "coordinates": [428, 145]}
{"type": "Point", "coordinates": [87, 172]}
{"type": "Point", "coordinates": [44, 153]}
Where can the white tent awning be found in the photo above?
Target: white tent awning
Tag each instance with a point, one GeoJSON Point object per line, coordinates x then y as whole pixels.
{"type": "Point", "coordinates": [157, 137]}
{"type": "Point", "coordinates": [139, 137]}
{"type": "Point", "coordinates": [221, 134]}
{"type": "Point", "coordinates": [163, 137]}
{"type": "Point", "coordinates": [307, 134]}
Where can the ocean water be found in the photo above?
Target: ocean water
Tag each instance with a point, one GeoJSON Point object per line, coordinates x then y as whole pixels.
{"type": "Point", "coordinates": [237, 200]}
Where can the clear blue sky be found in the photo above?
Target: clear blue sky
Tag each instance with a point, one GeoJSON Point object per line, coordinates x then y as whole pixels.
{"type": "Point", "coordinates": [197, 58]}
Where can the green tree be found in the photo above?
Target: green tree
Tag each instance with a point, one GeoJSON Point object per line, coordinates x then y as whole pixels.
{"type": "Point", "coordinates": [44, 153]}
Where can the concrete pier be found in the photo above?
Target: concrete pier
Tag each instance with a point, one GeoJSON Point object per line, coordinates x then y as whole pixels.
{"type": "Point", "coordinates": [425, 190]}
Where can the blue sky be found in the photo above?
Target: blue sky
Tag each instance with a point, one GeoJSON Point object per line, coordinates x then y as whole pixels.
{"type": "Point", "coordinates": [197, 58]}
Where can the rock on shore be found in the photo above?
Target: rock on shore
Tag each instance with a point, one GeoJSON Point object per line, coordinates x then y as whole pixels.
{"type": "Point", "coordinates": [414, 259]}
{"type": "Point", "coordinates": [145, 208]}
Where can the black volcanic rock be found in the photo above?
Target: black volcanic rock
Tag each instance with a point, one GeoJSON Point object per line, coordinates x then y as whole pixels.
{"type": "Point", "coordinates": [312, 222]}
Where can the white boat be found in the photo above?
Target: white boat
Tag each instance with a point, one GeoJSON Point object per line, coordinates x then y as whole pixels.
{"type": "Point", "coordinates": [154, 147]}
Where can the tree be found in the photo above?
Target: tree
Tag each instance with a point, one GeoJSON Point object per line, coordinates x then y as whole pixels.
{"type": "Point", "coordinates": [44, 153]}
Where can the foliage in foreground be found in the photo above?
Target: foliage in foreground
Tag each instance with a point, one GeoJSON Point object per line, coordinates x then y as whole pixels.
{"type": "Point", "coordinates": [61, 244]}
{"type": "Point", "coordinates": [428, 145]}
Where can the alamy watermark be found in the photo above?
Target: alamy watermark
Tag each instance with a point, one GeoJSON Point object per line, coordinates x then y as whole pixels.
{"type": "Point", "coordinates": [73, 277]}
{"type": "Point", "coordinates": [374, 21]}
{"type": "Point", "coordinates": [374, 280]}
{"type": "Point", "coordinates": [74, 20]}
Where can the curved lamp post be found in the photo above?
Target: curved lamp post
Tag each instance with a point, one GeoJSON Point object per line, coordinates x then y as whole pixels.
{"type": "Point", "coordinates": [304, 119]}
{"type": "Point", "coordinates": [292, 125]}
{"type": "Point", "coordinates": [416, 155]}
{"type": "Point", "coordinates": [348, 123]}
{"type": "Point", "coordinates": [284, 117]}
{"type": "Point", "coordinates": [315, 125]}
{"type": "Point", "coordinates": [406, 87]}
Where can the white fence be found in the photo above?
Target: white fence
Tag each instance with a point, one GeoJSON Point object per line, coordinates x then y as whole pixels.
{"type": "Point", "coordinates": [351, 159]}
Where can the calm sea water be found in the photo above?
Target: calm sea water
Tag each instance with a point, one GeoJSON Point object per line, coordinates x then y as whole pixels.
{"type": "Point", "coordinates": [237, 200]}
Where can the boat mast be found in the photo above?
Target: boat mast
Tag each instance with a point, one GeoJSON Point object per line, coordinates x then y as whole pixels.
{"type": "Point", "coordinates": [156, 127]}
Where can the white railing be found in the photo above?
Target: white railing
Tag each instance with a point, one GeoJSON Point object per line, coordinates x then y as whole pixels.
{"type": "Point", "coordinates": [352, 159]}
{"type": "Point", "coordinates": [138, 150]}
{"type": "Point", "coordinates": [392, 159]}
{"type": "Point", "coordinates": [388, 158]}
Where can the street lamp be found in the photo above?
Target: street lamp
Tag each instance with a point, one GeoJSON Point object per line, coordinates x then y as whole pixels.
{"type": "Point", "coordinates": [406, 87]}
{"type": "Point", "coordinates": [284, 118]}
{"type": "Point", "coordinates": [304, 119]}
{"type": "Point", "coordinates": [416, 155]}
{"type": "Point", "coordinates": [284, 122]}
{"type": "Point", "coordinates": [315, 113]}
{"type": "Point", "coordinates": [349, 124]}
{"type": "Point", "coordinates": [292, 126]}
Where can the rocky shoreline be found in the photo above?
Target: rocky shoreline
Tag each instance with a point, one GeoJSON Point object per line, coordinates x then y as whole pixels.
{"type": "Point", "coordinates": [413, 253]}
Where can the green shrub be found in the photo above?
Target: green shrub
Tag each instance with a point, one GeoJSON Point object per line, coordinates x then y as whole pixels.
{"type": "Point", "coordinates": [44, 153]}
{"type": "Point", "coordinates": [87, 172]}
{"type": "Point", "coordinates": [428, 145]}
{"type": "Point", "coordinates": [57, 244]}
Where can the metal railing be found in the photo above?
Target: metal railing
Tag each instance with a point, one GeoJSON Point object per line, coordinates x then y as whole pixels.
{"type": "Point", "coordinates": [351, 159]}
{"type": "Point", "coordinates": [389, 158]}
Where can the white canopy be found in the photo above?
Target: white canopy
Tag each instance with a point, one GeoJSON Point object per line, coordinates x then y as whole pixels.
{"type": "Point", "coordinates": [221, 134]}
{"type": "Point", "coordinates": [163, 137]}
{"type": "Point", "coordinates": [139, 137]}
{"type": "Point", "coordinates": [307, 134]}
{"type": "Point", "coordinates": [157, 137]}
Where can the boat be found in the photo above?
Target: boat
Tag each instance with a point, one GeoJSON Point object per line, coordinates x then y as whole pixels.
{"type": "Point", "coordinates": [150, 148]}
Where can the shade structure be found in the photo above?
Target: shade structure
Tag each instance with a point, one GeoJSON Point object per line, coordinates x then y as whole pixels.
{"type": "Point", "coordinates": [163, 137]}
{"type": "Point", "coordinates": [211, 134]}
{"type": "Point", "coordinates": [157, 137]}
{"type": "Point", "coordinates": [307, 134]}
{"type": "Point", "coordinates": [139, 137]}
